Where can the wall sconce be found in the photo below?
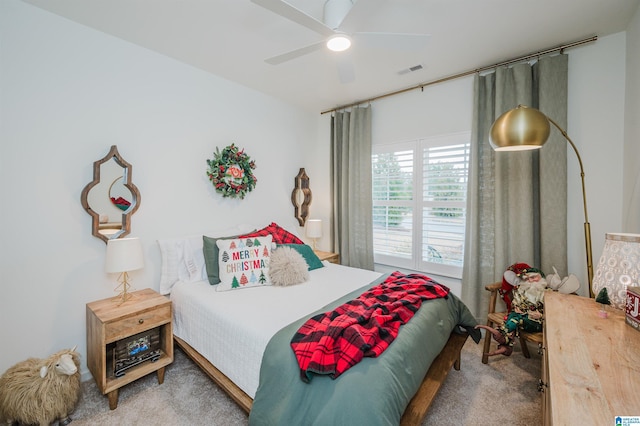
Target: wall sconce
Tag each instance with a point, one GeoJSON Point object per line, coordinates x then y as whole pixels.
{"type": "Point", "coordinates": [618, 267]}
{"type": "Point", "coordinates": [123, 255]}
{"type": "Point", "coordinates": [301, 196]}
{"type": "Point", "coordinates": [314, 230]}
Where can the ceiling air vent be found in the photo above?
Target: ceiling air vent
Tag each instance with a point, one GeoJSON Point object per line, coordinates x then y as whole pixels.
{"type": "Point", "coordinates": [410, 69]}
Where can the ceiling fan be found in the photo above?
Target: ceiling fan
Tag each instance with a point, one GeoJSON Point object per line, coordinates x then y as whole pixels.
{"type": "Point", "coordinates": [340, 25]}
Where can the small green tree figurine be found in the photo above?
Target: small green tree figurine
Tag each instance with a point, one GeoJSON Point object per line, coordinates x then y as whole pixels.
{"type": "Point", "coordinates": [603, 299]}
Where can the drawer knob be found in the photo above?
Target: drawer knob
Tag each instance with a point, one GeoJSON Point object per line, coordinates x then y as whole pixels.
{"type": "Point", "coordinates": [140, 321]}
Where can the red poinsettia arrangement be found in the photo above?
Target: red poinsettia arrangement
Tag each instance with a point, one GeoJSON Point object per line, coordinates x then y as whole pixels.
{"type": "Point", "coordinates": [231, 172]}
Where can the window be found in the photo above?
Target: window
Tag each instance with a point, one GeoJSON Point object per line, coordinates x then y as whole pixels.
{"type": "Point", "coordinates": [419, 203]}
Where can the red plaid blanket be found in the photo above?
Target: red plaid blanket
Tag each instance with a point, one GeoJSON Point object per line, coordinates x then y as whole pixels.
{"type": "Point", "coordinates": [332, 342]}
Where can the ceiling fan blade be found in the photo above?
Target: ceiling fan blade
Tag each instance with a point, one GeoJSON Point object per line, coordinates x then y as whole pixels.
{"type": "Point", "coordinates": [275, 60]}
{"type": "Point", "coordinates": [392, 41]}
{"type": "Point", "coordinates": [289, 12]}
{"type": "Point", "coordinates": [360, 12]}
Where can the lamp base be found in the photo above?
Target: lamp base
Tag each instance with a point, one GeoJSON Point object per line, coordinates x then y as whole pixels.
{"type": "Point", "coordinates": [124, 287]}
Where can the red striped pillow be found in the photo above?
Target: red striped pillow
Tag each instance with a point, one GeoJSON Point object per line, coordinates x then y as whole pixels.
{"type": "Point", "coordinates": [279, 234]}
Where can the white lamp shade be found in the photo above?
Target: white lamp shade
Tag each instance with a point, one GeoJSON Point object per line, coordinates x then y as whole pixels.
{"type": "Point", "coordinates": [314, 228]}
{"type": "Point", "coordinates": [618, 268]}
{"type": "Point", "coordinates": [124, 254]}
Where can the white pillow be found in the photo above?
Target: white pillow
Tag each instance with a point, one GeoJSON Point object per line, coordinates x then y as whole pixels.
{"type": "Point", "coordinates": [244, 262]}
{"type": "Point", "coordinates": [183, 259]}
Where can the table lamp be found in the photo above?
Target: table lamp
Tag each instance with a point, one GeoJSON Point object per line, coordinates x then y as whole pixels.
{"type": "Point", "coordinates": [123, 255]}
{"type": "Point", "coordinates": [618, 267]}
{"type": "Point", "coordinates": [314, 230]}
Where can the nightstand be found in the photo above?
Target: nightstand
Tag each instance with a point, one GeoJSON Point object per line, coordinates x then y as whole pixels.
{"type": "Point", "coordinates": [135, 336]}
{"type": "Point", "coordinates": [328, 256]}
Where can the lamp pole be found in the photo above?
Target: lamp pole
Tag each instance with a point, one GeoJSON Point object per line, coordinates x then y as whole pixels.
{"type": "Point", "coordinates": [587, 225]}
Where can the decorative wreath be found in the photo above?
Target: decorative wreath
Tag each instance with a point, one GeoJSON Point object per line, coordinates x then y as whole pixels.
{"type": "Point", "coordinates": [230, 172]}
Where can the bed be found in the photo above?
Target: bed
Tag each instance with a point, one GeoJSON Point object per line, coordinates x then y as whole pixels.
{"type": "Point", "coordinates": [241, 339]}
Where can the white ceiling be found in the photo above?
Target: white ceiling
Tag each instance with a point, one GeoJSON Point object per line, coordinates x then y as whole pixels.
{"type": "Point", "coordinates": [232, 38]}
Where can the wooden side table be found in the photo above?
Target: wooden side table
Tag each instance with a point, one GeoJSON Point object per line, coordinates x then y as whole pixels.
{"type": "Point", "coordinates": [109, 323]}
{"type": "Point", "coordinates": [328, 256]}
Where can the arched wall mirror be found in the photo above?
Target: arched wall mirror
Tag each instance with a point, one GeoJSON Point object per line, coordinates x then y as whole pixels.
{"type": "Point", "coordinates": [301, 196]}
{"type": "Point", "coordinates": [111, 198]}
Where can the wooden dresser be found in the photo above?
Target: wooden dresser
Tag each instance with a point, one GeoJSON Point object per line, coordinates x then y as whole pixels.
{"type": "Point", "coordinates": [591, 365]}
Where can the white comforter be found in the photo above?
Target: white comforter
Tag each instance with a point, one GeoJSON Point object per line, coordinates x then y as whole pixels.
{"type": "Point", "coordinates": [232, 328]}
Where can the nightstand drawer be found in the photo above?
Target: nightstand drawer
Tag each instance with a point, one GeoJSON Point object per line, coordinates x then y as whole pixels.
{"type": "Point", "coordinates": [137, 323]}
{"type": "Point", "coordinates": [328, 256]}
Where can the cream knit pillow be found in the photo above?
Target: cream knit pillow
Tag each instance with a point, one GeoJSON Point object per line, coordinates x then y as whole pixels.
{"type": "Point", "coordinates": [287, 267]}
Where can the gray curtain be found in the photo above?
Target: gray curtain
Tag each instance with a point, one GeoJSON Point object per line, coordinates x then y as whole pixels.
{"type": "Point", "coordinates": [516, 201]}
{"type": "Point", "coordinates": [352, 221]}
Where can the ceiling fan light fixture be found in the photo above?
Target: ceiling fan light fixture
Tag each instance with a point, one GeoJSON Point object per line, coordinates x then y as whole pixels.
{"type": "Point", "coordinates": [339, 43]}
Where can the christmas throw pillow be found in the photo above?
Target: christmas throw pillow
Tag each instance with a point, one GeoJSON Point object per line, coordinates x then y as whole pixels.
{"type": "Point", "coordinates": [244, 262]}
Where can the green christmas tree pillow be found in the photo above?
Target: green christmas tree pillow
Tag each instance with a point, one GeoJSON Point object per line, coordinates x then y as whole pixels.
{"type": "Point", "coordinates": [244, 262]}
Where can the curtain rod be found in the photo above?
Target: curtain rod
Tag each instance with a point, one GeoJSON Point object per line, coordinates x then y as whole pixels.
{"type": "Point", "coordinates": [466, 73]}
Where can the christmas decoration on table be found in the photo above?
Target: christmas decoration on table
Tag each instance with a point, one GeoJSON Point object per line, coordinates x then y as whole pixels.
{"type": "Point", "coordinates": [567, 285]}
{"type": "Point", "coordinates": [632, 307]}
{"type": "Point", "coordinates": [603, 299]}
{"type": "Point", "coordinates": [522, 290]}
{"type": "Point", "coordinates": [231, 172]}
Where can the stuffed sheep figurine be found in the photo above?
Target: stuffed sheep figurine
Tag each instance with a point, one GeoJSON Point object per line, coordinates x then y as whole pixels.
{"type": "Point", "coordinates": [41, 391]}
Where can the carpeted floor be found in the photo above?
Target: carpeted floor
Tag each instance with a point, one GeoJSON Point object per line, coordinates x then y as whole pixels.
{"type": "Point", "coordinates": [503, 392]}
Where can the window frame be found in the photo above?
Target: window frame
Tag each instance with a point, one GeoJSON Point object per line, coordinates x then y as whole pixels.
{"type": "Point", "coordinates": [418, 203]}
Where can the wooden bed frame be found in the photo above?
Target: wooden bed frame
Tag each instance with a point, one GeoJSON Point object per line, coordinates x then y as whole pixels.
{"type": "Point", "coordinates": [414, 413]}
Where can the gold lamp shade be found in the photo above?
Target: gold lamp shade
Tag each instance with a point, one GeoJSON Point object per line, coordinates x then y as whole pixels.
{"type": "Point", "coordinates": [519, 129]}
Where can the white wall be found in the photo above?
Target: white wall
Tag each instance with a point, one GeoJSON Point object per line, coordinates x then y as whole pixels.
{"type": "Point", "coordinates": [438, 109]}
{"type": "Point", "coordinates": [631, 186]}
{"type": "Point", "coordinates": [317, 165]}
{"type": "Point", "coordinates": [596, 125]}
{"type": "Point", "coordinates": [67, 94]}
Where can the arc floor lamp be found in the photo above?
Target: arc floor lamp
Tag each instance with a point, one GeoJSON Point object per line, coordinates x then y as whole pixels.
{"type": "Point", "coordinates": [525, 128]}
